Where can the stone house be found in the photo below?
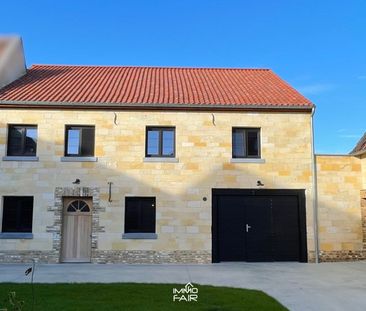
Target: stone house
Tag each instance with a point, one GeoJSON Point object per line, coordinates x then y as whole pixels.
{"type": "Point", "coordinates": [168, 165]}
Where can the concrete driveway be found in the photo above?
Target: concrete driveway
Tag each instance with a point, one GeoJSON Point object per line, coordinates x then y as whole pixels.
{"type": "Point", "coordinates": [322, 287]}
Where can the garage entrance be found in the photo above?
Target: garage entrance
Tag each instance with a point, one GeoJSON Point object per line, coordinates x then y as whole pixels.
{"type": "Point", "coordinates": [258, 225]}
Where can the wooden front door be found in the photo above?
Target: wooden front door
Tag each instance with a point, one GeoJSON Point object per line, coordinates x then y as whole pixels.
{"type": "Point", "coordinates": [76, 230]}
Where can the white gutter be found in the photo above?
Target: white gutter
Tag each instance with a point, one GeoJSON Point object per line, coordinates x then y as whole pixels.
{"type": "Point", "coordinates": [315, 190]}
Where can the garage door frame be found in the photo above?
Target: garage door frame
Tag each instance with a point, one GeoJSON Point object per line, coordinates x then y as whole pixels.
{"type": "Point", "coordinates": [300, 193]}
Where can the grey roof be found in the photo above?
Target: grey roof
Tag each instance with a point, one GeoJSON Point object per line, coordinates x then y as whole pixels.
{"type": "Point", "coordinates": [361, 146]}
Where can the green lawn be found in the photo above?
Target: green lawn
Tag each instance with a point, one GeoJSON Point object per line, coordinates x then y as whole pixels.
{"type": "Point", "coordinates": [133, 296]}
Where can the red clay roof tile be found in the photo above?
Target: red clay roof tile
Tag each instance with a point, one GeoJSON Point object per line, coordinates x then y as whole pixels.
{"type": "Point", "coordinates": [153, 86]}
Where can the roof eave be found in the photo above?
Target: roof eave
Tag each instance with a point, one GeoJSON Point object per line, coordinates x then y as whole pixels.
{"type": "Point", "coordinates": [358, 153]}
{"type": "Point", "coordinates": [150, 106]}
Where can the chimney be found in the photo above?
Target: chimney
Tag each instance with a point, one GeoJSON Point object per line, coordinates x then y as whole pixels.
{"type": "Point", "coordinates": [12, 61]}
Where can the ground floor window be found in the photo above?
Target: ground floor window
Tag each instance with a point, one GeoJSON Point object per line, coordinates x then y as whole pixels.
{"type": "Point", "coordinates": [140, 215]}
{"type": "Point", "coordinates": [17, 214]}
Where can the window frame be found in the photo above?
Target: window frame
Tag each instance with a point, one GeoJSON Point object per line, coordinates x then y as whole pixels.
{"type": "Point", "coordinates": [79, 128]}
{"type": "Point", "coordinates": [160, 129]}
{"type": "Point", "coordinates": [23, 127]}
{"type": "Point", "coordinates": [127, 230]}
{"type": "Point", "coordinates": [246, 130]}
{"type": "Point", "coordinates": [17, 231]}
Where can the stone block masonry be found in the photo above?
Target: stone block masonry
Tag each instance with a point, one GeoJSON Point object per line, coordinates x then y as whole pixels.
{"type": "Point", "coordinates": [155, 257]}
{"type": "Point", "coordinates": [203, 162]}
{"type": "Point", "coordinates": [342, 204]}
{"type": "Point", "coordinates": [363, 215]}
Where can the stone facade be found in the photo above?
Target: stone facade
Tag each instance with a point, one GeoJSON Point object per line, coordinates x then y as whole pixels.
{"type": "Point", "coordinates": [340, 208]}
{"type": "Point", "coordinates": [363, 197]}
{"type": "Point", "coordinates": [183, 216]}
{"type": "Point", "coordinates": [363, 215]}
{"type": "Point", "coordinates": [363, 168]}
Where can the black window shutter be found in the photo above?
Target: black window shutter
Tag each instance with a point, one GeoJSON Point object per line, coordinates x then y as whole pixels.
{"type": "Point", "coordinates": [17, 214]}
{"type": "Point", "coordinates": [148, 215]}
{"type": "Point", "coordinates": [253, 142]}
{"type": "Point", "coordinates": [140, 215]}
{"type": "Point", "coordinates": [87, 141]}
{"type": "Point", "coordinates": [15, 141]}
{"type": "Point", "coordinates": [26, 215]}
{"type": "Point", "coordinates": [9, 215]}
{"type": "Point", "coordinates": [131, 215]}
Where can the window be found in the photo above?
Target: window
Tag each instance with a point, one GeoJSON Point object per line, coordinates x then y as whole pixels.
{"type": "Point", "coordinates": [22, 140]}
{"type": "Point", "coordinates": [246, 142]}
{"type": "Point", "coordinates": [160, 142]}
{"type": "Point", "coordinates": [17, 214]}
{"type": "Point", "coordinates": [79, 141]}
{"type": "Point", "coordinates": [78, 206]}
{"type": "Point", "coordinates": [140, 215]}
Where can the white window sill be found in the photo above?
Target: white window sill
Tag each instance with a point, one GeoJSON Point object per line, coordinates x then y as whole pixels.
{"type": "Point", "coordinates": [161, 159]}
{"type": "Point", "coordinates": [16, 235]}
{"type": "Point", "coordinates": [247, 160]}
{"type": "Point", "coordinates": [20, 158]}
{"type": "Point", "coordinates": [79, 159]}
{"type": "Point", "coordinates": [140, 236]}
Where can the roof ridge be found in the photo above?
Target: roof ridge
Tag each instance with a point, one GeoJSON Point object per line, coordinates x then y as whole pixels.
{"type": "Point", "coordinates": [152, 67]}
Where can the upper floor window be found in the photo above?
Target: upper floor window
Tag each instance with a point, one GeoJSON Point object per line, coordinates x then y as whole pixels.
{"type": "Point", "coordinates": [160, 142]}
{"type": "Point", "coordinates": [22, 140]}
{"type": "Point", "coordinates": [246, 142]}
{"type": "Point", "coordinates": [140, 215]}
{"type": "Point", "coordinates": [79, 141]}
{"type": "Point", "coordinates": [17, 214]}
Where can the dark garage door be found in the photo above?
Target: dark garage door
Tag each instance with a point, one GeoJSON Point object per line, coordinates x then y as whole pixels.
{"type": "Point", "coordinates": [258, 225]}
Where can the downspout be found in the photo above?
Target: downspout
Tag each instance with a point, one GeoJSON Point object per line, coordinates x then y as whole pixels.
{"type": "Point", "coordinates": [315, 190]}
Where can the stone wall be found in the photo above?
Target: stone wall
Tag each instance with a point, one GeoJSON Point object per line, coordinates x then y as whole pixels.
{"type": "Point", "coordinates": [363, 197]}
{"type": "Point", "coordinates": [363, 168]}
{"type": "Point", "coordinates": [363, 215]}
{"type": "Point", "coordinates": [339, 208]}
{"type": "Point", "coordinates": [26, 256]}
{"type": "Point", "coordinates": [156, 257]}
{"type": "Point", "coordinates": [183, 217]}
